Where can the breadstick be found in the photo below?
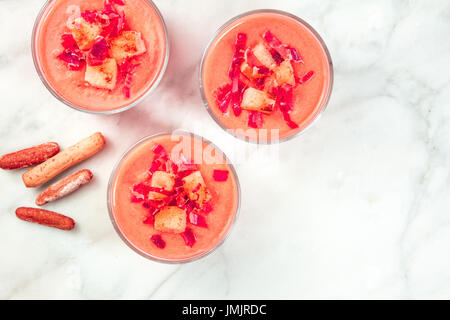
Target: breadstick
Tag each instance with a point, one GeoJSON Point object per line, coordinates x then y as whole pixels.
{"type": "Point", "coordinates": [64, 187]}
{"type": "Point", "coordinates": [28, 157]}
{"type": "Point", "coordinates": [64, 160]}
{"type": "Point", "coordinates": [46, 218]}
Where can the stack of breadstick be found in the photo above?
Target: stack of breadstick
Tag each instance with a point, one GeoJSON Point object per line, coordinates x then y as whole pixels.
{"type": "Point", "coordinates": [50, 163]}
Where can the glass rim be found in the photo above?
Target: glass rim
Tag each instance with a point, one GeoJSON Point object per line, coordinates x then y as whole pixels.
{"type": "Point", "coordinates": [105, 112]}
{"type": "Point", "coordinates": [142, 252]}
{"type": "Point", "coordinates": [315, 34]}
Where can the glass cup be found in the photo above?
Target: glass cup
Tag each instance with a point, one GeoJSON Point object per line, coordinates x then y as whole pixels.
{"type": "Point", "coordinates": [112, 198]}
{"type": "Point", "coordinates": [41, 19]}
{"type": "Point", "coordinates": [211, 104]}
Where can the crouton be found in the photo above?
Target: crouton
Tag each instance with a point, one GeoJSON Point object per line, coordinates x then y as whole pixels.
{"type": "Point", "coordinates": [170, 219]}
{"type": "Point", "coordinates": [103, 76]}
{"type": "Point", "coordinates": [195, 187]}
{"type": "Point", "coordinates": [127, 44]}
{"type": "Point", "coordinates": [84, 32]}
{"type": "Point", "coordinates": [284, 73]}
{"type": "Point", "coordinates": [163, 180]}
{"type": "Point", "coordinates": [263, 55]}
{"type": "Point", "coordinates": [257, 100]}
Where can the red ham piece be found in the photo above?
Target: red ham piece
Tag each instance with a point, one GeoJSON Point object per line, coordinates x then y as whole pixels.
{"type": "Point", "coordinates": [259, 83]}
{"type": "Point", "coordinates": [295, 56]}
{"type": "Point", "coordinates": [237, 87]}
{"type": "Point", "coordinates": [126, 91]}
{"type": "Point", "coordinates": [285, 103]}
{"type": "Point", "coordinates": [288, 120]}
{"type": "Point", "coordinates": [206, 208]}
{"type": "Point", "coordinates": [190, 206]}
{"type": "Point", "coordinates": [307, 77]}
{"type": "Point", "coordinates": [74, 59]}
{"type": "Point", "coordinates": [181, 199]}
{"type": "Point", "coordinates": [72, 54]}
{"type": "Point", "coordinates": [99, 52]}
{"type": "Point", "coordinates": [153, 208]}
{"type": "Point", "coordinates": [156, 164]}
{"type": "Point", "coordinates": [99, 48]}
{"type": "Point", "coordinates": [186, 167]}
{"type": "Point", "coordinates": [159, 190]}
{"type": "Point", "coordinates": [183, 173]}
{"type": "Point", "coordinates": [196, 188]}
{"type": "Point", "coordinates": [276, 56]}
{"type": "Point", "coordinates": [251, 60]}
{"type": "Point", "coordinates": [271, 40]}
{"type": "Point", "coordinates": [136, 199]}
{"type": "Point", "coordinates": [126, 72]}
{"type": "Point", "coordinates": [220, 175]}
{"type": "Point", "coordinates": [284, 96]}
{"type": "Point", "coordinates": [158, 241]}
{"type": "Point", "coordinates": [116, 20]}
{"type": "Point", "coordinates": [150, 204]}
{"type": "Point", "coordinates": [255, 119]}
{"type": "Point", "coordinates": [238, 57]}
{"type": "Point", "coordinates": [223, 97]}
{"type": "Point", "coordinates": [276, 44]}
{"type": "Point", "coordinates": [90, 16]}
{"type": "Point", "coordinates": [171, 167]}
{"type": "Point", "coordinates": [236, 96]}
{"type": "Point", "coordinates": [232, 94]}
{"type": "Point", "coordinates": [197, 220]}
{"type": "Point", "coordinates": [189, 237]}
{"type": "Point", "coordinates": [115, 26]}
{"type": "Point", "coordinates": [120, 23]}
{"type": "Point", "coordinates": [68, 42]}
{"type": "Point", "coordinates": [264, 71]}
{"type": "Point", "coordinates": [150, 219]}
{"type": "Point", "coordinates": [109, 6]}
{"type": "Point", "coordinates": [142, 189]}
{"type": "Point", "coordinates": [158, 149]}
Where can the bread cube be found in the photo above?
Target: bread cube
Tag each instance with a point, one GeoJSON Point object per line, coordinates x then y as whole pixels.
{"type": "Point", "coordinates": [284, 73]}
{"type": "Point", "coordinates": [263, 55]}
{"type": "Point", "coordinates": [103, 76]}
{"type": "Point", "coordinates": [195, 187]}
{"type": "Point", "coordinates": [163, 180]}
{"type": "Point", "coordinates": [170, 219]}
{"type": "Point", "coordinates": [127, 44]}
{"type": "Point", "coordinates": [251, 73]}
{"type": "Point", "coordinates": [257, 100]}
{"type": "Point", "coordinates": [84, 32]}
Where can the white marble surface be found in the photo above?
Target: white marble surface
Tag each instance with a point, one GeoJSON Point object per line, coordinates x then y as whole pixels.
{"type": "Point", "coordinates": [357, 207]}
